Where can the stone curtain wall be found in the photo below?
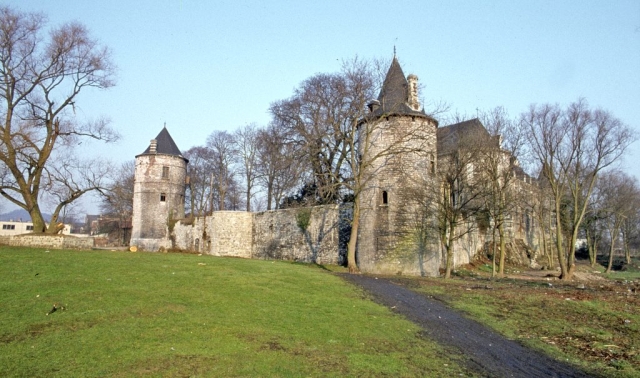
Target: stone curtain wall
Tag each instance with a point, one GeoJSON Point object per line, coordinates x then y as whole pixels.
{"type": "Point", "coordinates": [309, 234]}
{"type": "Point", "coordinates": [48, 241]}
{"type": "Point", "coordinates": [301, 234]}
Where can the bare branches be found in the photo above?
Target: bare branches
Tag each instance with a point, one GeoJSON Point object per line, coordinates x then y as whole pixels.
{"type": "Point", "coordinates": [40, 80]}
{"type": "Point", "coordinates": [572, 146]}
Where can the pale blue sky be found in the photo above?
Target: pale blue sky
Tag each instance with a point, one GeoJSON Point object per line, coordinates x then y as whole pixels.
{"type": "Point", "coordinates": [202, 66]}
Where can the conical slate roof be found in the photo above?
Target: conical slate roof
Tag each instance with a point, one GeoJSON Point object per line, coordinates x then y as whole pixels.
{"type": "Point", "coordinates": [394, 95]}
{"type": "Point", "coordinates": [165, 145]}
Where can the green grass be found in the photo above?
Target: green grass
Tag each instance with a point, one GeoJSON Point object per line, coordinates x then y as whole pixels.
{"type": "Point", "coordinates": [596, 327]}
{"type": "Point", "coordinates": [143, 314]}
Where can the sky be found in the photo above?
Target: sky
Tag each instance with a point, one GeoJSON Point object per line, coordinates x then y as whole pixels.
{"type": "Point", "coordinates": [202, 66]}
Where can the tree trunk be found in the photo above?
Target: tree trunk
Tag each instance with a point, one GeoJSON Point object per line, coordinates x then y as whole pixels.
{"type": "Point", "coordinates": [591, 249]}
{"type": "Point", "coordinates": [495, 248]}
{"type": "Point", "coordinates": [351, 246]}
{"type": "Point", "coordinates": [449, 248]}
{"type": "Point", "coordinates": [611, 249]}
{"type": "Point", "coordinates": [562, 256]}
{"type": "Point", "coordinates": [627, 250]}
{"type": "Point", "coordinates": [502, 249]}
{"type": "Point", "coordinates": [39, 224]}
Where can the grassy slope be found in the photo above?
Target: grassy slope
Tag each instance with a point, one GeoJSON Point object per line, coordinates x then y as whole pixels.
{"type": "Point", "coordinates": [136, 314]}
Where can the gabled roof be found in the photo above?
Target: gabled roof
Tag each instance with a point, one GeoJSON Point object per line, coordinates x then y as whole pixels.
{"type": "Point", "coordinates": [448, 137]}
{"type": "Point", "coordinates": [165, 145]}
{"type": "Point", "coordinates": [394, 94]}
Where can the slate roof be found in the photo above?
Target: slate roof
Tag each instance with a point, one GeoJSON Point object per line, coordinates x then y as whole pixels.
{"type": "Point", "coordinates": [394, 94]}
{"type": "Point", "coordinates": [165, 145]}
{"type": "Point", "coordinates": [449, 136]}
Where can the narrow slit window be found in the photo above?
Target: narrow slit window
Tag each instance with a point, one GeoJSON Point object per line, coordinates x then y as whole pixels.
{"type": "Point", "coordinates": [163, 197]}
{"type": "Point", "coordinates": [165, 172]}
{"type": "Point", "coordinates": [385, 197]}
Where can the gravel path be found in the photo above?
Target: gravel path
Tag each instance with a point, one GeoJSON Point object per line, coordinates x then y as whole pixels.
{"type": "Point", "coordinates": [489, 353]}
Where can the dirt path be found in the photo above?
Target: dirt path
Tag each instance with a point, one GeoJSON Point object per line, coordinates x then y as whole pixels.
{"type": "Point", "coordinates": [489, 354]}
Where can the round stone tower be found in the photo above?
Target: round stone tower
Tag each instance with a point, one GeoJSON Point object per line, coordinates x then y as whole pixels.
{"type": "Point", "coordinates": [158, 193]}
{"type": "Point", "coordinates": [397, 142]}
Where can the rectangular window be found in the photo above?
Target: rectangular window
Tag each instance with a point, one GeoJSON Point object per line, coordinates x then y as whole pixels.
{"type": "Point", "coordinates": [385, 197]}
{"type": "Point", "coordinates": [29, 228]}
{"type": "Point", "coordinates": [163, 197]}
{"type": "Point", "coordinates": [8, 226]}
{"type": "Point", "coordinates": [165, 172]}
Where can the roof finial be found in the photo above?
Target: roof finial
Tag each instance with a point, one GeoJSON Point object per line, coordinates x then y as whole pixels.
{"type": "Point", "coordinates": [165, 124]}
{"type": "Point", "coordinates": [394, 50]}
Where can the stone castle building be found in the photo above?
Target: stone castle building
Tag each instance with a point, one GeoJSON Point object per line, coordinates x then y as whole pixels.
{"type": "Point", "coordinates": [399, 146]}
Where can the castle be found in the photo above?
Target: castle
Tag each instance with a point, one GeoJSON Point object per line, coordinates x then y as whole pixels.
{"type": "Point", "coordinates": [386, 241]}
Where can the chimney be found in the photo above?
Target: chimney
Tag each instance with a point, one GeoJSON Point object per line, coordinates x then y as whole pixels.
{"type": "Point", "coordinates": [373, 105]}
{"type": "Point", "coordinates": [413, 92]}
{"type": "Point", "coordinates": [153, 146]}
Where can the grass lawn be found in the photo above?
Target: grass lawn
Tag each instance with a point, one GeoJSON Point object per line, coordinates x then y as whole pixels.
{"type": "Point", "coordinates": [144, 314]}
{"type": "Point", "coordinates": [594, 324]}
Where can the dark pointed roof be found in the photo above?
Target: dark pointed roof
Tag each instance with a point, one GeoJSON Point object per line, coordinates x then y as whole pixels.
{"type": "Point", "coordinates": [165, 145]}
{"type": "Point", "coordinates": [394, 94]}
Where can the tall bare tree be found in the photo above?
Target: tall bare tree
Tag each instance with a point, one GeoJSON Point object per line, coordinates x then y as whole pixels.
{"type": "Point", "coordinates": [117, 199]}
{"type": "Point", "coordinates": [499, 162]}
{"type": "Point", "coordinates": [41, 78]}
{"type": "Point", "coordinates": [281, 165]}
{"type": "Point", "coordinates": [572, 146]}
{"type": "Point", "coordinates": [459, 195]}
{"type": "Point", "coordinates": [200, 194]}
{"type": "Point", "coordinates": [223, 159]}
{"type": "Point", "coordinates": [619, 191]}
{"type": "Point", "coordinates": [316, 118]}
{"type": "Point", "coordinates": [246, 146]}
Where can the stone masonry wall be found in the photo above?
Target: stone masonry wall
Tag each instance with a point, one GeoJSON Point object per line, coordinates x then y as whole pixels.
{"type": "Point", "coordinates": [302, 234]}
{"type": "Point", "coordinates": [48, 241]}
{"type": "Point", "coordinates": [309, 234]}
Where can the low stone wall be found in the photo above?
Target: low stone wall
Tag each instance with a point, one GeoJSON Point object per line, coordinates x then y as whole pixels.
{"type": "Point", "coordinates": [48, 241]}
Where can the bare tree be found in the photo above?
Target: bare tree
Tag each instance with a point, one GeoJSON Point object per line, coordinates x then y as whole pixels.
{"type": "Point", "coordinates": [459, 195]}
{"type": "Point", "coordinates": [246, 145]}
{"type": "Point", "coordinates": [572, 146]}
{"type": "Point", "coordinates": [280, 165]}
{"type": "Point", "coordinates": [619, 191]}
{"type": "Point", "coordinates": [631, 225]}
{"type": "Point", "coordinates": [223, 158]}
{"type": "Point", "coordinates": [40, 81]}
{"type": "Point", "coordinates": [499, 162]}
{"type": "Point", "coordinates": [117, 199]}
{"type": "Point", "coordinates": [200, 193]}
{"type": "Point", "coordinates": [117, 202]}
{"type": "Point", "coordinates": [315, 119]}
